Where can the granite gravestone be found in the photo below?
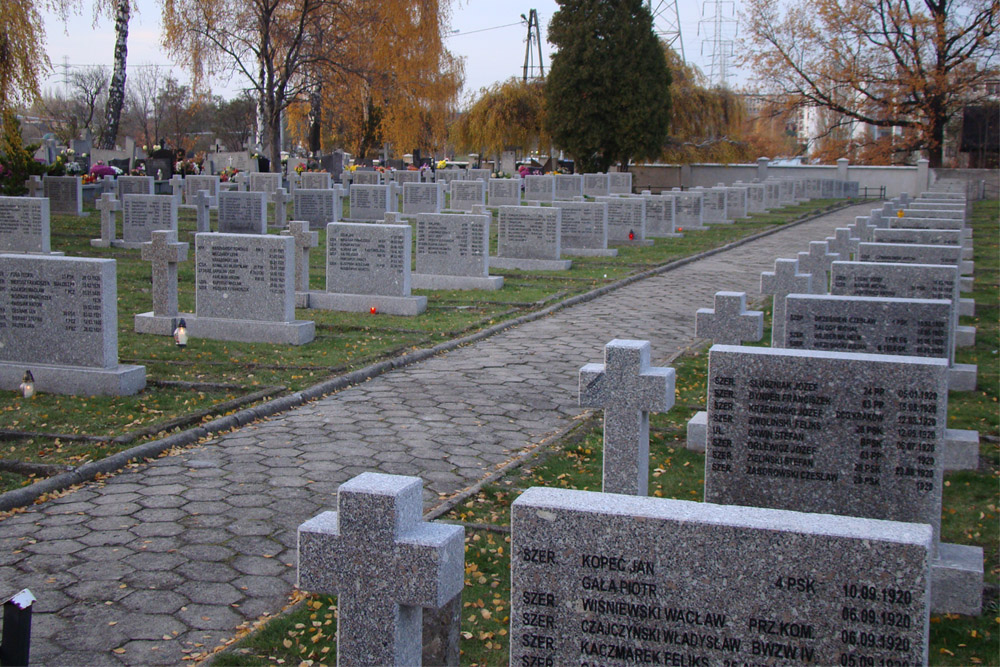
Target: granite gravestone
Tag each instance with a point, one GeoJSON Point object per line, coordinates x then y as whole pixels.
{"type": "Point", "coordinates": [528, 238]}
{"type": "Point", "coordinates": [65, 194]}
{"type": "Point", "coordinates": [24, 225]}
{"type": "Point", "coordinates": [843, 243]}
{"type": "Point", "coordinates": [318, 207]}
{"type": "Point", "coordinates": [448, 175]}
{"type": "Point", "coordinates": [620, 183]}
{"type": "Point", "coordinates": [265, 182]}
{"type": "Point", "coordinates": [305, 239]}
{"type": "Point", "coordinates": [108, 206]}
{"type": "Point", "coordinates": [407, 176]}
{"type": "Point", "coordinates": [601, 579]}
{"type": "Point", "coordinates": [626, 220]}
{"type": "Point", "coordinates": [59, 320]}
{"type": "Point", "coordinates": [755, 197]}
{"type": "Point", "coordinates": [366, 177]}
{"type": "Point", "coordinates": [368, 270]}
{"type": "Point", "coordinates": [384, 563]}
{"type": "Point", "coordinates": [504, 192]}
{"type": "Point", "coordinates": [245, 289]}
{"type": "Point", "coordinates": [466, 195]}
{"type": "Point", "coordinates": [772, 195]}
{"type": "Point", "coordinates": [477, 174]}
{"type": "Point", "coordinates": [713, 206]}
{"type": "Point", "coordinates": [280, 199]}
{"type": "Point", "coordinates": [142, 214]}
{"type": "Point", "coordinates": [737, 205]}
{"type": "Point", "coordinates": [595, 185]}
{"type": "Point", "coordinates": [568, 186]}
{"type": "Point", "coordinates": [314, 180]}
{"type": "Point", "coordinates": [729, 323]}
{"type": "Point", "coordinates": [164, 253]}
{"type": "Point", "coordinates": [539, 188]}
{"type": "Point", "coordinates": [628, 389]}
{"type": "Point", "coordinates": [661, 216]}
{"type": "Point", "coordinates": [919, 236]}
{"type": "Point", "coordinates": [453, 252]}
{"type": "Point", "coordinates": [687, 210]}
{"type": "Point", "coordinates": [584, 229]}
{"type": "Point", "coordinates": [371, 202]}
{"type": "Point", "coordinates": [787, 431]}
{"type": "Point", "coordinates": [203, 204]}
{"type": "Point", "coordinates": [817, 263]}
{"type": "Point", "coordinates": [135, 185]}
{"type": "Point", "coordinates": [423, 198]}
{"type": "Point", "coordinates": [195, 182]}
{"type": "Point", "coordinates": [242, 212]}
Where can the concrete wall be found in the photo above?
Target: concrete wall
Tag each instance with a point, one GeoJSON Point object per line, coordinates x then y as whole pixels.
{"type": "Point", "coordinates": [987, 181]}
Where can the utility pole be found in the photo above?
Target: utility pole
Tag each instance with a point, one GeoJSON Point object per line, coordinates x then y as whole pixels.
{"type": "Point", "coordinates": [667, 24]}
{"type": "Point", "coordinates": [534, 38]}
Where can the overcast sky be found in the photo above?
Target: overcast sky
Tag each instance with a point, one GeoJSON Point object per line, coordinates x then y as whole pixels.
{"type": "Point", "coordinates": [489, 34]}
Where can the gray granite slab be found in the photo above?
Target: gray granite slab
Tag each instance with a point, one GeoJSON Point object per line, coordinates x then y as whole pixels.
{"type": "Point", "coordinates": [661, 215]}
{"type": "Point", "coordinates": [368, 258]}
{"type": "Point", "coordinates": [605, 579]}
{"type": "Point", "coordinates": [473, 174]}
{"type": "Point", "coordinates": [596, 185]}
{"type": "Point", "coordinates": [315, 180]}
{"type": "Point", "coordinates": [65, 194]}
{"type": "Point", "coordinates": [626, 219]}
{"type": "Point", "coordinates": [453, 244]}
{"type": "Point", "coordinates": [317, 206]}
{"type": "Point", "coordinates": [265, 182]}
{"type": "Point", "coordinates": [529, 232]}
{"type": "Point", "coordinates": [144, 214]}
{"type": "Point", "coordinates": [568, 186]}
{"type": "Point", "coordinates": [504, 192]}
{"type": "Point", "coordinates": [242, 212]}
{"type": "Point", "coordinates": [583, 225]}
{"type": "Point", "coordinates": [729, 322]}
{"type": "Point", "coordinates": [466, 195]}
{"type": "Point", "coordinates": [195, 182]}
{"type": "Point", "coordinates": [24, 224]}
{"type": "Point", "coordinates": [687, 210]}
{"type": "Point", "coordinates": [367, 177]}
{"type": "Point", "coordinates": [918, 236]}
{"type": "Point", "coordinates": [423, 198]}
{"type": "Point", "coordinates": [371, 202]}
{"type": "Point", "coordinates": [539, 188]}
{"type": "Point", "coordinates": [910, 253]}
{"type": "Point", "coordinates": [245, 276]}
{"type": "Point", "coordinates": [135, 185]}
{"type": "Point", "coordinates": [620, 183]}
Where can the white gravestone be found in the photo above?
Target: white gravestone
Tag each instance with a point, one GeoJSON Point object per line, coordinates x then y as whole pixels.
{"type": "Point", "coordinates": [24, 225]}
{"type": "Point", "coordinates": [528, 238]}
{"type": "Point", "coordinates": [143, 214]}
{"type": "Point", "coordinates": [453, 252]}
{"type": "Point", "coordinates": [242, 212]}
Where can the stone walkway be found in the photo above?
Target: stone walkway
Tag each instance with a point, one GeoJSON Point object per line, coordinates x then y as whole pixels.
{"type": "Point", "coordinates": [167, 559]}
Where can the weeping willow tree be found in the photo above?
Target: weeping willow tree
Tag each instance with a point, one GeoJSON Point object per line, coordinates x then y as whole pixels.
{"type": "Point", "coordinates": [505, 116]}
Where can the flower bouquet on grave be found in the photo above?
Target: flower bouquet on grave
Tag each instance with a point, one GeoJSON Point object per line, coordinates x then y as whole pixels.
{"type": "Point", "coordinates": [300, 167]}
{"type": "Point", "coordinates": [228, 174]}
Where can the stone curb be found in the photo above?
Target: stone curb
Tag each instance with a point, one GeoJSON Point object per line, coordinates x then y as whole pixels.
{"type": "Point", "coordinates": [89, 471]}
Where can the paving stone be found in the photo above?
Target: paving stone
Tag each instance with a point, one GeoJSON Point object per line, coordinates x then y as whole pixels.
{"type": "Point", "coordinates": [209, 617]}
{"type": "Point", "coordinates": [159, 652]}
{"type": "Point", "coordinates": [199, 571]}
{"type": "Point", "coordinates": [154, 602]}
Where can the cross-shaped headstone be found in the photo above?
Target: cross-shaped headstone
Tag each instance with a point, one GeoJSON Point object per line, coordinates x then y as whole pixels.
{"type": "Point", "coordinates": [843, 243]}
{"type": "Point", "coordinates": [860, 229]}
{"type": "Point", "coordinates": [384, 563]}
{"type": "Point", "coordinates": [177, 188]}
{"type": "Point", "coordinates": [280, 198]}
{"type": "Point", "coordinates": [784, 280]}
{"type": "Point", "coordinates": [294, 179]}
{"type": "Point", "coordinates": [730, 323]}
{"type": "Point", "coordinates": [203, 201]}
{"type": "Point", "coordinates": [817, 263]}
{"type": "Point", "coordinates": [107, 205]}
{"type": "Point", "coordinates": [304, 240]}
{"type": "Point", "coordinates": [164, 252]}
{"type": "Point", "coordinates": [34, 185]}
{"type": "Point", "coordinates": [242, 181]}
{"type": "Point", "coordinates": [108, 184]}
{"type": "Point", "coordinates": [628, 389]}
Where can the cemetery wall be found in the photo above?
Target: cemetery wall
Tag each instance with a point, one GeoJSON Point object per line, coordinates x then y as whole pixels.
{"type": "Point", "coordinates": [990, 178]}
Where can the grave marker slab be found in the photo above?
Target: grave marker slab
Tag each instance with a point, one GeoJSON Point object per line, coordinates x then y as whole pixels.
{"type": "Point", "coordinates": [539, 188]}
{"type": "Point", "coordinates": [529, 238]}
{"type": "Point", "coordinates": [714, 209]}
{"type": "Point", "coordinates": [628, 389]}
{"type": "Point", "coordinates": [504, 192]}
{"type": "Point", "coordinates": [280, 199]}
{"type": "Point", "coordinates": [65, 194]}
{"type": "Point", "coordinates": [24, 225]}
{"type": "Point", "coordinates": [265, 182]}
{"type": "Point", "coordinates": [620, 183]}
{"type": "Point", "coordinates": [599, 578]}
{"type": "Point", "coordinates": [135, 185]}
{"type": "Point", "coordinates": [107, 205]}
{"type": "Point", "coordinates": [843, 243]}
{"type": "Point", "coordinates": [203, 204]}
{"type": "Point", "coordinates": [371, 202]}
{"type": "Point", "coordinates": [365, 177]}
{"type": "Point", "coordinates": [909, 253]}
{"type": "Point", "coordinates": [465, 195]}
{"type": "Point", "coordinates": [918, 236]}
{"type": "Point", "coordinates": [242, 212]}
{"type": "Point", "coordinates": [477, 174]}
{"type": "Point", "coordinates": [568, 186]}
{"type": "Point", "coordinates": [596, 185]}
{"type": "Point", "coordinates": [164, 253]}
{"type": "Point", "coordinates": [584, 229]}
{"type": "Point", "coordinates": [384, 563]}
{"type": "Point", "coordinates": [193, 183]}
{"type": "Point", "coordinates": [453, 252]}
{"type": "Point", "coordinates": [304, 241]}
{"type": "Point", "coordinates": [626, 220]}
{"type": "Point", "coordinates": [59, 320]}
{"type": "Point", "coordinates": [406, 176]}
{"type": "Point", "coordinates": [817, 263]}
{"type": "Point", "coordinates": [737, 205]}
{"type": "Point", "coordinates": [422, 198]}
{"type": "Point", "coordinates": [784, 280]}
{"type": "Point", "coordinates": [661, 216]}
{"type": "Point", "coordinates": [730, 323]}
{"type": "Point", "coordinates": [142, 214]}
{"type": "Point", "coordinates": [449, 175]}
{"type": "Point", "coordinates": [314, 180]}
{"type": "Point", "coordinates": [687, 210]}
{"type": "Point", "coordinates": [318, 207]}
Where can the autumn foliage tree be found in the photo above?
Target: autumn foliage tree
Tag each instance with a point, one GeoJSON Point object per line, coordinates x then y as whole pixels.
{"type": "Point", "coordinates": [505, 116]}
{"type": "Point", "coordinates": [887, 63]}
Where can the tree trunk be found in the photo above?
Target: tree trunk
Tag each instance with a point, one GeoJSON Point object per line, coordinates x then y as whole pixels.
{"type": "Point", "coordinates": [116, 91]}
{"type": "Point", "coordinates": [935, 152]}
{"type": "Point", "coordinates": [315, 119]}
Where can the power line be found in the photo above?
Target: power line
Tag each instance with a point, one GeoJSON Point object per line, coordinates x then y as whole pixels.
{"type": "Point", "coordinates": [459, 33]}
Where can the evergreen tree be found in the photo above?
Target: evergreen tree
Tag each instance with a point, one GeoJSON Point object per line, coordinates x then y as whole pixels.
{"type": "Point", "coordinates": [608, 91]}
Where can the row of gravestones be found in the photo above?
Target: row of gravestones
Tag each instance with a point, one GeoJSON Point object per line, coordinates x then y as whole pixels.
{"type": "Point", "coordinates": [818, 541]}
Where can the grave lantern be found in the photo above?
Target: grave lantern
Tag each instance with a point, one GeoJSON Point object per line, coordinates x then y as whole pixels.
{"type": "Point", "coordinates": [27, 386]}
{"type": "Point", "coordinates": [181, 334]}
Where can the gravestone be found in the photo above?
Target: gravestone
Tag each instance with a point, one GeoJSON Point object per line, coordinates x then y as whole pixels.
{"type": "Point", "coordinates": [661, 216]}
{"type": "Point", "coordinates": [314, 180]}
{"type": "Point", "coordinates": [528, 238]}
{"type": "Point", "coordinates": [65, 194]}
{"type": "Point", "coordinates": [786, 279]}
{"type": "Point", "coordinates": [280, 200]}
{"type": "Point", "coordinates": [24, 225]}
{"type": "Point", "coordinates": [595, 185]}
{"type": "Point", "coordinates": [107, 205]}
{"type": "Point", "coordinates": [817, 263]}
{"type": "Point", "coordinates": [568, 186]}
{"type": "Point", "coordinates": [265, 182]}
{"type": "Point", "coordinates": [59, 320]}
{"type": "Point", "coordinates": [919, 237]}
{"type": "Point", "coordinates": [34, 186]}
{"type": "Point", "coordinates": [737, 204]}
{"type": "Point", "coordinates": [687, 210]}
{"type": "Point", "coordinates": [305, 239]}
{"type": "Point", "coordinates": [729, 323]}
{"type": "Point", "coordinates": [539, 188]}
{"type": "Point", "coordinates": [366, 177]}
{"type": "Point", "coordinates": [755, 197]}
{"type": "Point", "coordinates": [193, 183]}
{"type": "Point", "coordinates": [318, 207]}
{"type": "Point", "coordinates": [620, 183]}
{"type": "Point", "coordinates": [422, 198]}
{"type": "Point", "coordinates": [242, 212]}
{"type": "Point", "coordinates": [772, 195]}
{"type": "Point", "coordinates": [135, 185]}
{"type": "Point", "coordinates": [843, 244]}
{"type": "Point", "coordinates": [602, 579]}
{"type": "Point", "coordinates": [584, 229]}
{"type": "Point", "coordinates": [504, 192]}
{"type": "Point", "coordinates": [245, 290]}
{"type": "Point", "coordinates": [368, 267]}
{"type": "Point", "coordinates": [406, 176]}
{"type": "Point", "coordinates": [628, 389]}
{"type": "Point", "coordinates": [448, 175]}
{"type": "Point", "coordinates": [465, 195]}
{"type": "Point", "coordinates": [453, 252]}
{"type": "Point", "coordinates": [164, 253]}
{"type": "Point", "coordinates": [626, 220]}
{"type": "Point", "coordinates": [713, 204]}
{"type": "Point", "coordinates": [837, 433]}
{"type": "Point", "coordinates": [371, 202]}
{"type": "Point", "coordinates": [203, 203]}
{"type": "Point", "coordinates": [910, 253]}
{"type": "Point", "coordinates": [384, 564]}
{"type": "Point", "coordinates": [478, 174]}
{"type": "Point", "coordinates": [141, 214]}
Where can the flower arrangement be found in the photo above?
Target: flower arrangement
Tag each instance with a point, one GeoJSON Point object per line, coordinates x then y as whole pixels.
{"type": "Point", "coordinates": [228, 174]}
{"type": "Point", "coordinates": [442, 164]}
{"type": "Point", "coordinates": [139, 170]}
{"type": "Point", "coordinates": [187, 167]}
{"type": "Point", "coordinates": [300, 167]}
{"type": "Point", "coordinates": [352, 168]}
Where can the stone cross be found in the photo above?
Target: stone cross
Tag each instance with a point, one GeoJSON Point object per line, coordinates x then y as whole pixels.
{"type": "Point", "coordinates": [107, 205]}
{"type": "Point", "coordinates": [730, 323]}
{"type": "Point", "coordinates": [294, 179]}
{"type": "Point", "coordinates": [108, 184]}
{"type": "Point", "coordinates": [280, 198]}
{"type": "Point", "coordinates": [860, 229]}
{"type": "Point", "coordinates": [164, 252]}
{"type": "Point", "coordinates": [384, 563]}
{"type": "Point", "coordinates": [34, 185]}
{"type": "Point", "coordinates": [304, 240]}
{"type": "Point", "coordinates": [784, 280]}
{"type": "Point", "coordinates": [203, 201]}
{"type": "Point", "coordinates": [843, 243]}
{"type": "Point", "coordinates": [817, 263]}
{"type": "Point", "coordinates": [628, 389]}
{"type": "Point", "coordinates": [177, 188]}
{"type": "Point", "coordinates": [242, 181]}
